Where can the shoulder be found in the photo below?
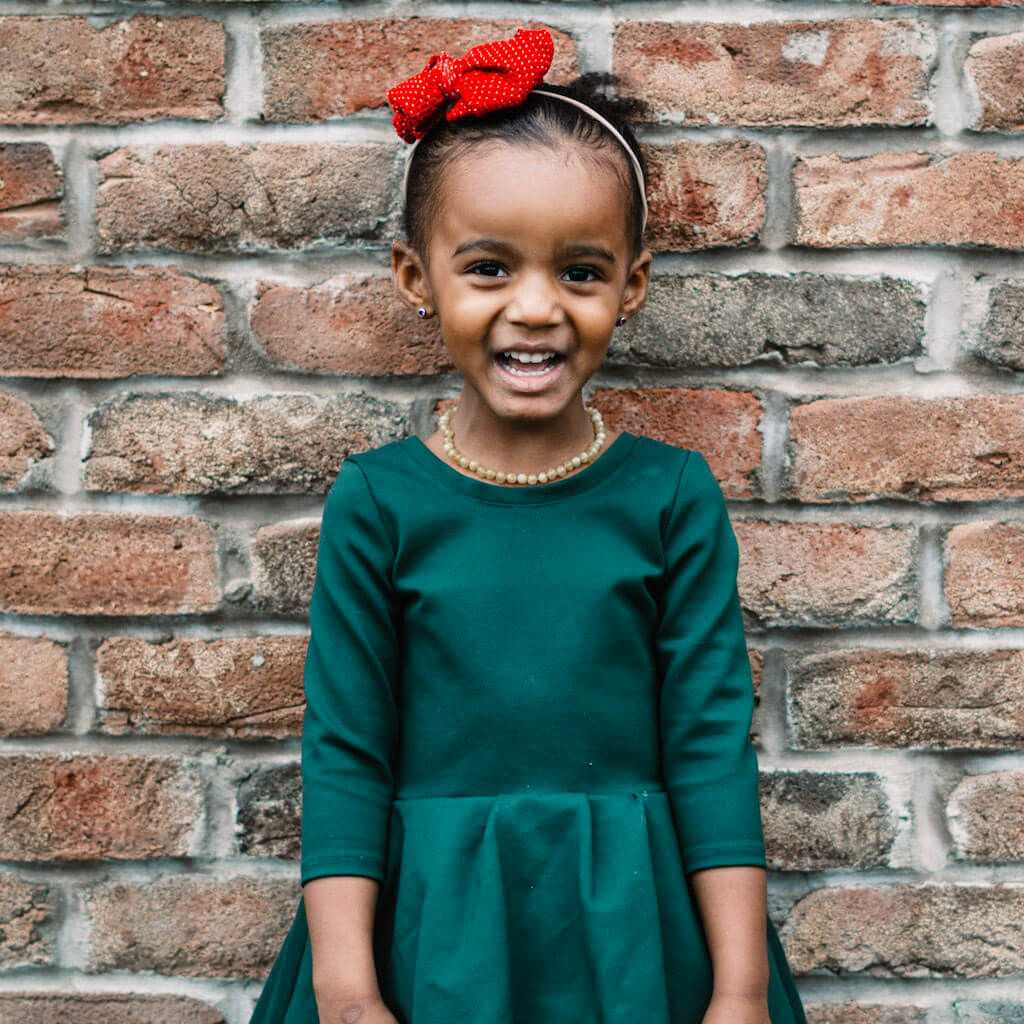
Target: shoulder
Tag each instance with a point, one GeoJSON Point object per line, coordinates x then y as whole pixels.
{"type": "Point", "coordinates": [683, 468]}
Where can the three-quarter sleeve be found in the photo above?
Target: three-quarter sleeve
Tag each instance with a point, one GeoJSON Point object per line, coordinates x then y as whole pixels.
{"type": "Point", "coordinates": [349, 731]}
{"type": "Point", "coordinates": [707, 698]}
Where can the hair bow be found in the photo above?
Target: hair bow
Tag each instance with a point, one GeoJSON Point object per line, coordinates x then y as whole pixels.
{"type": "Point", "coordinates": [489, 77]}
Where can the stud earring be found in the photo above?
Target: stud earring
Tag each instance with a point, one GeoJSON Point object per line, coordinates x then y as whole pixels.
{"type": "Point", "coordinates": [620, 321]}
{"type": "Point", "coordinates": [422, 312]}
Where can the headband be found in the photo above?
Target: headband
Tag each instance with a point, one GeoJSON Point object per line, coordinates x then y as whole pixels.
{"type": "Point", "coordinates": [492, 76]}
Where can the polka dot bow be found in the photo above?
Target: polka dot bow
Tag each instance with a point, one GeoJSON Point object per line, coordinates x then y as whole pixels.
{"type": "Point", "coordinates": [489, 77]}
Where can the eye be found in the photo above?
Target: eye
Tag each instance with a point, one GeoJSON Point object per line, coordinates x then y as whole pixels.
{"type": "Point", "coordinates": [486, 268]}
{"type": "Point", "coordinates": [582, 275]}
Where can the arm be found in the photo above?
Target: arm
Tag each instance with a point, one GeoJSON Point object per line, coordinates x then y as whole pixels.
{"type": "Point", "coordinates": [706, 707]}
{"type": "Point", "coordinates": [348, 739]}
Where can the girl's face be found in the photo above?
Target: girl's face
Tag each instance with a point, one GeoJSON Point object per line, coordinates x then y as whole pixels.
{"type": "Point", "coordinates": [529, 253]}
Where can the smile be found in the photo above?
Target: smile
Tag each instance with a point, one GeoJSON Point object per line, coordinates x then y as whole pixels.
{"type": "Point", "coordinates": [529, 364]}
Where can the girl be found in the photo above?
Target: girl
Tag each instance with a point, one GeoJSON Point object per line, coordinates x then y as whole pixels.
{"type": "Point", "coordinates": [529, 791]}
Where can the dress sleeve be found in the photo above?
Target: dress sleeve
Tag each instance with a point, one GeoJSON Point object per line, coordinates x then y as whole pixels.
{"type": "Point", "coordinates": [707, 694]}
{"type": "Point", "coordinates": [350, 677]}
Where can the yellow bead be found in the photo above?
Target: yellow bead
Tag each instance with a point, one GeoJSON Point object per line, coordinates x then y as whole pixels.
{"type": "Point", "coordinates": [500, 477]}
{"type": "Point", "coordinates": [532, 478]}
{"type": "Point", "coordinates": [521, 478]}
{"type": "Point", "coordinates": [542, 478]}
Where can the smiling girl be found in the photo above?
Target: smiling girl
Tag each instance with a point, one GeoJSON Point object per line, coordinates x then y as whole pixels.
{"type": "Point", "coordinates": [529, 791]}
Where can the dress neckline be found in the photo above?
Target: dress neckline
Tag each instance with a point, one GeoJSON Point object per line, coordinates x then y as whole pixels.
{"type": "Point", "coordinates": [530, 494]}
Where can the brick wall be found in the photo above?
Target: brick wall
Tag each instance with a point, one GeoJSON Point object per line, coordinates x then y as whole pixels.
{"type": "Point", "coordinates": [196, 327]}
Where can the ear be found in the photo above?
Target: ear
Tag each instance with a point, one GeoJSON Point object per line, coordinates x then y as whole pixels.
{"type": "Point", "coordinates": [638, 279]}
{"type": "Point", "coordinates": [410, 277]}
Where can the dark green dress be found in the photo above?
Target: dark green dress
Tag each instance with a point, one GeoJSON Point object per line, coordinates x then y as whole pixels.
{"type": "Point", "coordinates": [528, 715]}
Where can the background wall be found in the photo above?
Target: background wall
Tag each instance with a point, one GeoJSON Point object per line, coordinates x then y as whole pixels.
{"type": "Point", "coordinates": [196, 327]}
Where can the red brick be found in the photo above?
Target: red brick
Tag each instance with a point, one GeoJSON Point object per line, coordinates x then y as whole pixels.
{"type": "Point", "coordinates": [971, 199]}
{"type": "Point", "coordinates": [31, 185]}
{"type": "Point", "coordinates": [939, 700]}
{"type": "Point", "coordinates": [351, 324]}
{"type": "Point", "coordinates": [96, 564]}
{"type": "Point", "coordinates": [704, 195]}
{"type": "Point", "coordinates": [99, 1008]}
{"type": "Point", "coordinates": [90, 807]}
{"type": "Point", "coordinates": [56, 321]}
{"type": "Point", "coordinates": [994, 69]}
{"type": "Point", "coordinates": [909, 931]}
{"type": "Point", "coordinates": [188, 443]}
{"type": "Point", "coordinates": [985, 813]}
{"type": "Point", "coordinates": [824, 73]}
{"type": "Point", "coordinates": [191, 927]}
{"type": "Point", "coordinates": [721, 424]}
{"type": "Point", "coordinates": [216, 197]}
{"type": "Point", "coordinates": [28, 932]}
{"type": "Point", "coordinates": [319, 70]}
{"type": "Point", "coordinates": [33, 685]}
{"type": "Point", "coordinates": [141, 69]}
{"type": "Point", "coordinates": [983, 582]}
{"type": "Point", "coordinates": [826, 574]}
{"type": "Point", "coordinates": [896, 446]}
{"type": "Point", "coordinates": [23, 442]}
{"type": "Point", "coordinates": [269, 817]}
{"type": "Point", "coordinates": [236, 687]}
{"type": "Point", "coordinates": [863, 1013]}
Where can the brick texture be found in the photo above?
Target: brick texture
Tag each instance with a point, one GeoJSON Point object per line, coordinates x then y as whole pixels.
{"type": "Point", "coordinates": [198, 326]}
{"type": "Point", "coordinates": [826, 73]}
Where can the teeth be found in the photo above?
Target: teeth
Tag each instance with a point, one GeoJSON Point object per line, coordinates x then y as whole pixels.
{"type": "Point", "coordinates": [530, 357]}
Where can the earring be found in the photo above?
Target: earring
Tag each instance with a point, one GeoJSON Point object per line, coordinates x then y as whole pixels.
{"type": "Point", "coordinates": [422, 312]}
{"type": "Point", "coordinates": [620, 321]}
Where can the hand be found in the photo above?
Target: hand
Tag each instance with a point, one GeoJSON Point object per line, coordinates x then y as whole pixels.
{"type": "Point", "coordinates": [361, 1010]}
{"type": "Point", "coordinates": [737, 1009]}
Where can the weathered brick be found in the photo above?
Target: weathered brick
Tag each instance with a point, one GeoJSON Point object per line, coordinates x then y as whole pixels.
{"type": "Point", "coordinates": [100, 1008]}
{"type": "Point", "coordinates": [900, 446]}
{"type": "Point", "coordinates": [826, 574]}
{"type": "Point", "coordinates": [56, 321]}
{"type": "Point", "coordinates": [819, 820]}
{"type": "Point", "coordinates": [909, 198]}
{"type": "Point", "coordinates": [985, 813]}
{"type": "Point", "coordinates": [269, 819]}
{"type": "Point", "coordinates": [31, 186]}
{"type": "Point", "coordinates": [319, 70]}
{"type": "Point", "coordinates": [190, 927]}
{"type": "Point", "coordinates": [96, 564]}
{"type": "Point", "coordinates": [909, 931]}
{"type": "Point", "coordinates": [994, 71]}
{"type": "Point", "coordinates": [704, 195]}
{"type": "Point", "coordinates": [983, 582]}
{"type": "Point", "coordinates": [720, 424]}
{"type": "Point", "coordinates": [988, 1011]}
{"type": "Point", "coordinates": [141, 69]}
{"type": "Point", "coordinates": [351, 324]}
{"type": "Point", "coordinates": [233, 687]}
{"type": "Point", "coordinates": [199, 443]}
{"type": "Point", "coordinates": [832, 73]}
{"type": "Point", "coordinates": [708, 319]}
{"type": "Point", "coordinates": [1001, 340]}
{"type": "Point", "coordinates": [756, 659]}
{"type": "Point", "coordinates": [863, 1013]}
{"type": "Point", "coordinates": [23, 442]}
{"type": "Point", "coordinates": [33, 685]}
{"type": "Point", "coordinates": [945, 700]}
{"type": "Point", "coordinates": [88, 807]}
{"type": "Point", "coordinates": [27, 931]}
{"type": "Point", "coordinates": [222, 198]}
{"type": "Point", "coordinates": [284, 565]}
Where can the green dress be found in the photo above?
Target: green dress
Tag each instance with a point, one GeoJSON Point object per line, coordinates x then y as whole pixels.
{"type": "Point", "coordinates": [528, 714]}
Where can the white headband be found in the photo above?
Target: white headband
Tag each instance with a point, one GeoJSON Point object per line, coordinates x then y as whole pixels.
{"type": "Point", "coordinates": [616, 134]}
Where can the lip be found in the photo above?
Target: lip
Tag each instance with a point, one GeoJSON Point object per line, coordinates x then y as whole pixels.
{"type": "Point", "coordinates": [534, 382]}
{"type": "Point", "coordinates": [527, 348]}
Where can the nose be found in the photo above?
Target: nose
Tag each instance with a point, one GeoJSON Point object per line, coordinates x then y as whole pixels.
{"type": "Point", "coordinates": [535, 301]}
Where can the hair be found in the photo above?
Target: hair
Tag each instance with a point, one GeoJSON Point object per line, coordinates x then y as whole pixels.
{"type": "Point", "coordinates": [538, 121]}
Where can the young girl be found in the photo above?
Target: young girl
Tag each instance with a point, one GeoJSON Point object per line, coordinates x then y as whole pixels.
{"type": "Point", "coordinates": [529, 791]}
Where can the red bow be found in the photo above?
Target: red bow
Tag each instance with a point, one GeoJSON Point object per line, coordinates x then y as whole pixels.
{"type": "Point", "coordinates": [489, 77]}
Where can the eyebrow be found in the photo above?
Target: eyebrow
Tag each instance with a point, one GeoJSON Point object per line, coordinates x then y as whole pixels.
{"type": "Point", "coordinates": [569, 252]}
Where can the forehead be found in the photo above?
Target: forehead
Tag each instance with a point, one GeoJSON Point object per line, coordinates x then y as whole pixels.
{"type": "Point", "coordinates": [534, 194]}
